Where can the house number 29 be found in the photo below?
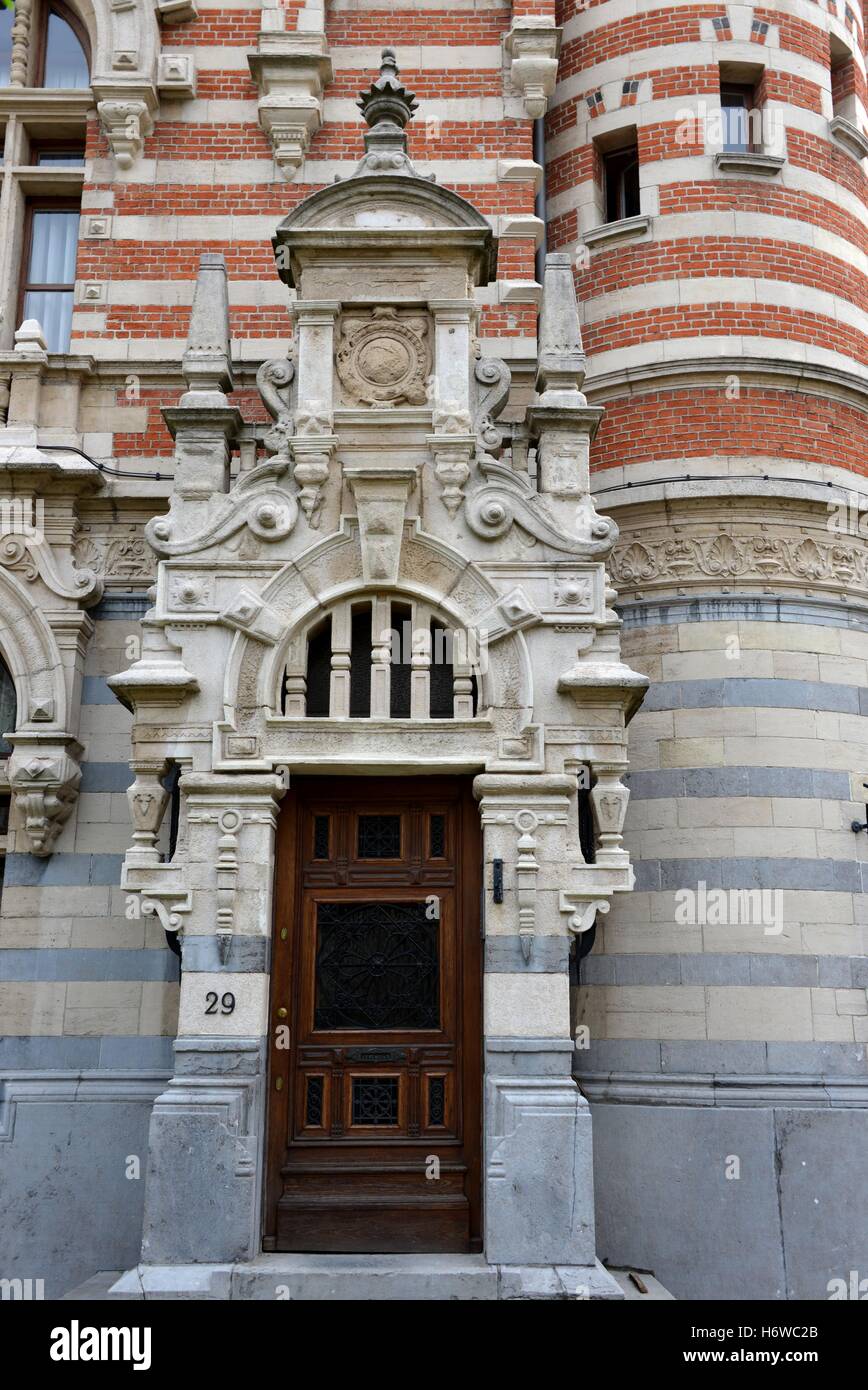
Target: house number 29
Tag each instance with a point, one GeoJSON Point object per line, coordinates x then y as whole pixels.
{"type": "Point", "coordinates": [226, 1002]}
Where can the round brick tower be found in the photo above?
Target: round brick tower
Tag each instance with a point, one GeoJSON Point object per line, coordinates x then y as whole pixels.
{"type": "Point", "coordinates": [706, 167]}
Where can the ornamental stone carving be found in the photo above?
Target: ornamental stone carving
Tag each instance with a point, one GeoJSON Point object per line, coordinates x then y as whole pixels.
{"type": "Point", "coordinates": [384, 360]}
{"type": "Point", "coordinates": [742, 554]}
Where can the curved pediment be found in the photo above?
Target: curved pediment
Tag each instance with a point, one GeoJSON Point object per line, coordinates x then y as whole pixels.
{"type": "Point", "coordinates": [389, 211]}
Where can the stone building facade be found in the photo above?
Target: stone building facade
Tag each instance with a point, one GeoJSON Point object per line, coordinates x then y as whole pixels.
{"type": "Point", "coordinates": [373, 486]}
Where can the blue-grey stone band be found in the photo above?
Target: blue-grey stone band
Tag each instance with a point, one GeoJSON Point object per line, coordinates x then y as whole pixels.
{"type": "Point", "coordinates": [89, 963]}
{"type": "Point", "coordinates": [94, 691]}
{"type": "Point", "coordinates": [815, 613]}
{"type": "Point", "coordinates": [72, 1053]}
{"type": "Point", "coordinates": [528, 1056]}
{"type": "Point", "coordinates": [641, 1056]}
{"type": "Point", "coordinates": [809, 875]}
{"type": "Point", "coordinates": [549, 955]}
{"type": "Point", "coordinates": [105, 777]}
{"type": "Point", "coordinates": [813, 783]}
{"type": "Point", "coordinates": [204, 1056]}
{"type": "Point", "coordinates": [752, 692]}
{"type": "Point", "coordinates": [767, 1091]}
{"type": "Point", "coordinates": [63, 870]}
{"type": "Point", "coordinates": [824, 972]}
{"type": "Point", "coordinates": [246, 954]}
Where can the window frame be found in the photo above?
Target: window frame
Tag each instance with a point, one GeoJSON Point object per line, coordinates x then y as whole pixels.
{"type": "Point", "coordinates": [33, 203]}
{"type": "Point", "coordinates": [747, 92]}
{"type": "Point", "coordinates": [607, 159]}
{"type": "Point", "coordinates": [40, 46]}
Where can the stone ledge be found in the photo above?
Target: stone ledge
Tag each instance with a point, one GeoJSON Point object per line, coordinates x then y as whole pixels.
{"type": "Point", "coordinates": [748, 162]}
{"type": "Point", "coordinates": [352, 1278]}
{"type": "Point", "coordinates": [625, 229]}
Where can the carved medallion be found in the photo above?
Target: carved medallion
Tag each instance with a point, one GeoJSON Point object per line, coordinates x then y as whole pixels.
{"type": "Point", "coordinates": [385, 360]}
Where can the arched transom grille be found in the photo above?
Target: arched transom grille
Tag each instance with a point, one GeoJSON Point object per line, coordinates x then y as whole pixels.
{"type": "Point", "coordinates": [383, 658]}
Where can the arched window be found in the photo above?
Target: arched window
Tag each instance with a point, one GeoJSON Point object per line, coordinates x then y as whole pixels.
{"type": "Point", "coordinates": [65, 61]}
{"type": "Point", "coordinates": [383, 658]}
{"type": "Point", "coordinates": [8, 708]}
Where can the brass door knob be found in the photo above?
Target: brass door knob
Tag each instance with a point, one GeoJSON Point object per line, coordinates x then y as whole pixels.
{"type": "Point", "coordinates": [281, 1013]}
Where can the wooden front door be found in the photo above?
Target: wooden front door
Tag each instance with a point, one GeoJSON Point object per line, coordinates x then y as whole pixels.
{"type": "Point", "coordinates": [375, 1104]}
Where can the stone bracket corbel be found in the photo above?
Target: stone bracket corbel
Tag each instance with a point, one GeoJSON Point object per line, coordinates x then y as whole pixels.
{"type": "Point", "coordinates": [452, 455]}
{"type": "Point", "coordinates": [44, 775]}
{"type": "Point", "coordinates": [126, 114]}
{"type": "Point", "coordinates": [291, 72]}
{"type": "Point", "coordinates": [533, 45]}
{"type": "Point", "coordinates": [581, 909]}
{"type": "Point", "coordinates": [250, 614]}
{"type": "Point", "coordinates": [161, 891]}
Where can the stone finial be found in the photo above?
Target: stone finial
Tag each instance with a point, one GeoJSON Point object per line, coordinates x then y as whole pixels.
{"type": "Point", "coordinates": [561, 369]}
{"type": "Point", "coordinates": [29, 338]}
{"type": "Point", "coordinates": [387, 106]}
{"type": "Point", "coordinates": [205, 364]}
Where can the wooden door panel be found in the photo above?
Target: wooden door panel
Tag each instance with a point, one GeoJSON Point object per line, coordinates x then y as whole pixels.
{"type": "Point", "coordinates": [374, 1114]}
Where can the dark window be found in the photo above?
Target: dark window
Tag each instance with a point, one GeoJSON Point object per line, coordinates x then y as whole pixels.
{"type": "Point", "coordinates": [48, 155]}
{"type": "Point", "coordinates": [736, 104]}
{"type": "Point", "coordinates": [587, 835]}
{"type": "Point", "coordinates": [319, 670]}
{"type": "Point", "coordinates": [399, 675]}
{"type": "Point", "coordinates": [8, 709]}
{"type": "Point", "coordinates": [5, 803]}
{"type": "Point", "coordinates": [51, 241]}
{"type": "Point", "coordinates": [441, 704]}
{"type": "Point", "coordinates": [360, 664]}
{"type": "Point", "coordinates": [621, 183]}
{"type": "Point", "coordinates": [377, 966]}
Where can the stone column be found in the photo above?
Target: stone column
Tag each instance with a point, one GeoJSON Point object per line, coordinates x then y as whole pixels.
{"type": "Point", "coordinates": [539, 1207]}
{"type": "Point", "coordinates": [205, 1159]}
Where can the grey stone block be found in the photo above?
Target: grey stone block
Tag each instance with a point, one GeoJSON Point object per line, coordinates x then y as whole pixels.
{"type": "Point", "coordinates": [821, 1159]}
{"type": "Point", "coordinates": [94, 691]}
{"type": "Point", "coordinates": [716, 781]}
{"type": "Point", "coordinates": [646, 970]}
{"type": "Point", "coordinates": [62, 870]}
{"type": "Point", "coordinates": [713, 1058]}
{"type": "Point", "coordinates": [647, 875]}
{"type": "Point", "coordinates": [48, 1054]}
{"type": "Point", "coordinates": [67, 1207]}
{"type": "Point", "coordinates": [817, 1058]}
{"type": "Point", "coordinates": [838, 972]}
{"type": "Point", "coordinates": [243, 1057]}
{"type": "Point", "coordinates": [687, 873]}
{"type": "Point", "coordinates": [647, 786]}
{"type": "Point", "coordinates": [528, 1057]}
{"type": "Point", "coordinates": [106, 777]}
{"type": "Point", "coordinates": [549, 955]}
{"type": "Point", "coordinates": [48, 963]}
{"type": "Point", "coordinates": [783, 970]}
{"type": "Point", "coordinates": [203, 1125]}
{"type": "Point", "coordinates": [606, 1055]}
{"type": "Point", "coordinates": [246, 954]}
{"type": "Point", "coordinates": [132, 1053]}
{"type": "Point", "coordinates": [664, 1202]}
{"type": "Point", "coordinates": [701, 969]}
{"type": "Point", "coordinates": [538, 1184]}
